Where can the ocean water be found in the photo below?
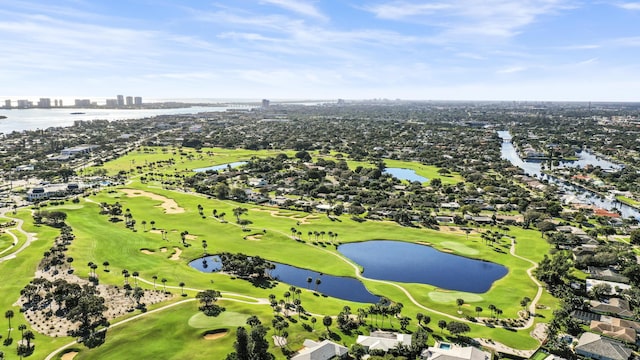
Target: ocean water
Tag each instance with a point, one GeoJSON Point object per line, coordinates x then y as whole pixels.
{"type": "Point", "coordinates": [32, 119]}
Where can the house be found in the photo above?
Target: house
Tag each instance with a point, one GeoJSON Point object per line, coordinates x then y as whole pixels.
{"type": "Point", "coordinates": [594, 346]}
{"type": "Point", "coordinates": [447, 351]}
{"type": "Point", "coordinates": [382, 340]}
{"type": "Point", "coordinates": [607, 275]}
{"type": "Point", "coordinates": [616, 287]}
{"type": "Point", "coordinates": [324, 350]}
{"type": "Point", "coordinates": [585, 317]}
{"type": "Point", "coordinates": [257, 182]}
{"type": "Point", "coordinates": [613, 331]}
{"type": "Point", "coordinates": [615, 306]}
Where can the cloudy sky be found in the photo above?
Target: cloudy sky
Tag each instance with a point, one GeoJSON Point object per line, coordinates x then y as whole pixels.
{"type": "Point", "coordinates": [322, 49]}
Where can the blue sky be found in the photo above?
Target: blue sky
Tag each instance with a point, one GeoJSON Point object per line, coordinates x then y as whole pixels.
{"type": "Point", "coordinates": [322, 49]}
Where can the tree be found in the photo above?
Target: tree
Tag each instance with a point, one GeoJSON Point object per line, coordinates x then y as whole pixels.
{"type": "Point", "coordinates": [318, 282]}
{"type": "Point", "coordinates": [208, 298]}
{"type": "Point", "coordinates": [327, 321]}
{"type": "Point", "coordinates": [164, 284]}
{"type": "Point", "coordinates": [357, 351]}
{"type": "Point", "coordinates": [154, 277]}
{"type": "Point", "coordinates": [457, 328]}
{"type": "Point", "coordinates": [237, 212]}
{"type": "Point", "coordinates": [442, 324]}
{"type": "Point", "coordinates": [459, 302]}
{"type": "Point", "coordinates": [182, 288]}
{"type": "Point", "coordinates": [106, 266]}
{"type": "Point", "coordinates": [9, 315]}
{"type": "Point", "coordinates": [635, 237]}
{"type": "Point", "coordinates": [241, 345]}
{"type": "Point", "coordinates": [309, 281]}
{"type": "Point", "coordinates": [478, 311]}
{"type": "Point", "coordinates": [88, 311]}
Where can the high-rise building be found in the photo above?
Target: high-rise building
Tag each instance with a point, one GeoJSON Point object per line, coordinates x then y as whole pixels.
{"type": "Point", "coordinates": [137, 100]}
{"type": "Point", "coordinates": [44, 103]}
{"type": "Point", "coordinates": [129, 100]}
{"type": "Point", "coordinates": [7, 104]}
{"type": "Point", "coordinates": [265, 103]}
{"type": "Point", "coordinates": [120, 100]}
{"type": "Point", "coordinates": [112, 103]}
{"type": "Point", "coordinates": [60, 102]}
{"type": "Point", "coordinates": [83, 102]}
{"type": "Point", "coordinates": [24, 104]}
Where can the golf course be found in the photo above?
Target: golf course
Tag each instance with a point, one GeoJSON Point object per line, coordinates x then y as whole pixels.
{"type": "Point", "coordinates": [174, 225]}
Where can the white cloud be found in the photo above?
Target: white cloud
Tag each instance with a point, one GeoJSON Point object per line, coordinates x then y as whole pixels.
{"type": "Point", "coordinates": [511, 70]}
{"type": "Point", "coordinates": [634, 6]}
{"type": "Point", "coordinates": [298, 6]}
{"type": "Point", "coordinates": [465, 19]}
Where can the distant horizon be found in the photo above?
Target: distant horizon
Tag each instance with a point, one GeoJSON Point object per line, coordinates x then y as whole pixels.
{"type": "Point", "coordinates": [68, 101]}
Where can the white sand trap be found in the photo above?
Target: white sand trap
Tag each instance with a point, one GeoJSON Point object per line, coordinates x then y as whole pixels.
{"type": "Point", "coordinates": [176, 255]}
{"type": "Point", "coordinates": [256, 237]}
{"type": "Point", "coordinates": [146, 252]}
{"type": "Point", "coordinates": [170, 206]}
{"type": "Point", "coordinates": [215, 336]}
{"type": "Point", "coordinates": [190, 237]}
{"type": "Point", "coordinates": [70, 355]}
{"type": "Point", "coordinates": [163, 249]}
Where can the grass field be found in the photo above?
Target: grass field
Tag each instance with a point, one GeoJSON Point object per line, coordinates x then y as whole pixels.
{"type": "Point", "coordinates": [174, 333]}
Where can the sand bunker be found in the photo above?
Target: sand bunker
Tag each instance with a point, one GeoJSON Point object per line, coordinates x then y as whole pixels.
{"type": "Point", "coordinates": [190, 237]}
{"type": "Point", "coordinates": [216, 335]}
{"type": "Point", "coordinates": [70, 355]}
{"type": "Point", "coordinates": [170, 206]}
{"type": "Point", "coordinates": [255, 237]}
{"type": "Point", "coordinates": [176, 255]}
{"type": "Point", "coordinates": [163, 249]}
{"type": "Point", "coordinates": [279, 214]}
{"type": "Point", "coordinates": [146, 251]}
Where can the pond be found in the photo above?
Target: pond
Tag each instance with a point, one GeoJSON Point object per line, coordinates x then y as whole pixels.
{"type": "Point", "coordinates": [415, 263]}
{"type": "Point", "coordinates": [220, 167]}
{"type": "Point", "coordinates": [344, 288]}
{"type": "Point", "coordinates": [405, 174]}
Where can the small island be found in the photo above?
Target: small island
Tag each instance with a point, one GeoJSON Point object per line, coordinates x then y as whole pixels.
{"type": "Point", "coordinates": [2, 117]}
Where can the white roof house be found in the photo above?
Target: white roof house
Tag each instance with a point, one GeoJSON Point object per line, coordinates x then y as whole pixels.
{"type": "Point", "coordinates": [381, 340]}
{"type": "Point", "coordinates": [447, 351]}
{"type": "Point", "coordinates": [324, 350]}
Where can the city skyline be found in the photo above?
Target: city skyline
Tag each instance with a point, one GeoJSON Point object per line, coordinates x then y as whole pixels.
{"type": "Point", "coordinates": [537, 50]}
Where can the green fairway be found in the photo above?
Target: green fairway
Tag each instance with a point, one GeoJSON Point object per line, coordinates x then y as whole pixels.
{"type": "Point", "coordinates": [227, 318]}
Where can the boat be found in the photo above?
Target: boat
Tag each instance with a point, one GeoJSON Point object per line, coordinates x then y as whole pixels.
{"type": "Point", "coordinates": [77, 113]}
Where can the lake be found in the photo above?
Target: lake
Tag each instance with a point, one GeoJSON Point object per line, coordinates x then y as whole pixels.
{"type": "Point", "coordinates": [220, 167]}
{"type": "Point", "coordinates": [345, 288]}
{"type": "Point", "coordinates": [414, 263]}
{"type": "Point", "coordinates": [405, 174]}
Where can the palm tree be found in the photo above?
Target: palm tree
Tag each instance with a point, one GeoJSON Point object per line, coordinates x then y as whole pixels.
{"type": "Point", "coordinates": [153, 224]}
{"type": "Point", "coordinates": [442, 324]}
{"type": "Point", "coordinates": [154, 277]}
{"type": "Point", "coordinates": [313, 322]}
{"type": "Point", "coordinates": [204, 247]}
{"type": "Point", "coordinates": [326, 321]}
{"type": "Point", "coordinates": [144, 225]}
{"type": "Point", "coordinates": [478, 310]}
{"type": "Point", "coordinates": [459, 302]}
{"type": "Point", "coordinates": [164, 284]}
{"type": "Point", "coordinates": [318, 282]}
{"type": "Point", "coordinates": [182, 288]}
{"type": "Point", "coordinates": [8, 315]}
{"type": "Point", "coordinates": [492, 308]}
{"type": "Point", "coordinates": [309, 281]}
{"type": "Point", "coordinates": [106, 266]}
{"type": "Point", "coordinates": [22, 328]}
{"type": "Point", "coordinates": [135, 277]}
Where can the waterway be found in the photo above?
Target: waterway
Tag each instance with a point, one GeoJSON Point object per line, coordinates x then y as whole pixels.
{"type": "Point", "coordinates": [32, 119]}
{"type": "Point", "coordinates": [405, 174]}
{"type": "Point", "coordinates": [534, 168]}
